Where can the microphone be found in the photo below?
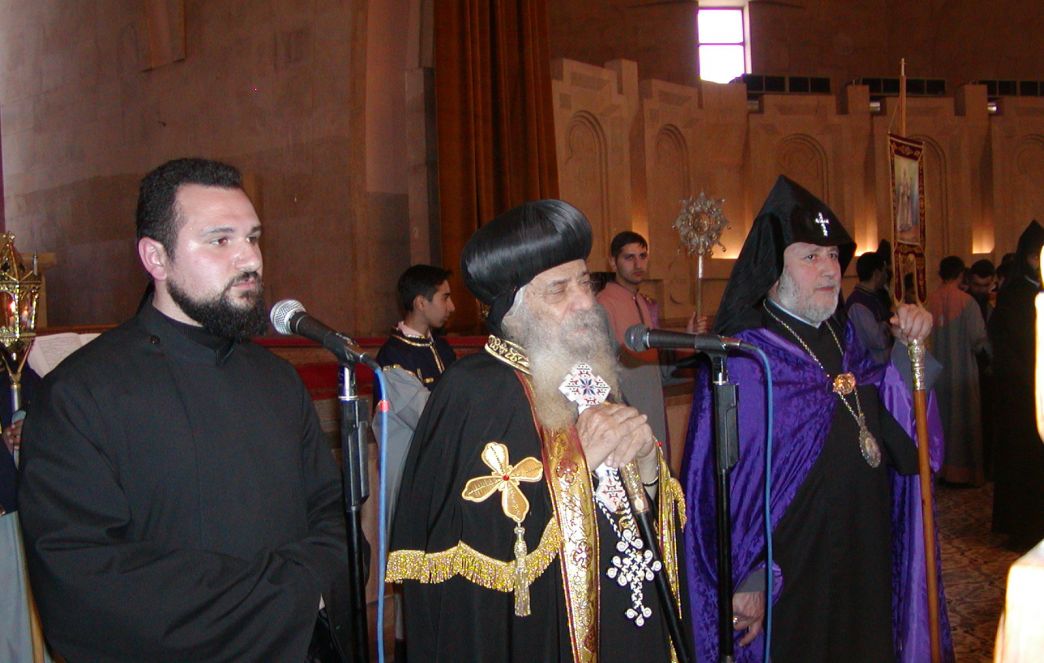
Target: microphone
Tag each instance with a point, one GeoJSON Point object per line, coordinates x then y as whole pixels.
{"type": "Point", "coordinates": [640, 338]}
{"type": "Point", "coordinates": [289, 317]}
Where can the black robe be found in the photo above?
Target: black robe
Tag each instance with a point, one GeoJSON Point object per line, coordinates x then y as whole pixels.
{"type": "Point", "coordinates": [427, 358]}
{"type": "Point", "coordinates": [1018, 471]}
{"type": "Point", "coordinates": [179, 502]}
{"type": "Point", "coordinates": [833, 542]}
{"type": "Point", "coordinates": [479, 400]}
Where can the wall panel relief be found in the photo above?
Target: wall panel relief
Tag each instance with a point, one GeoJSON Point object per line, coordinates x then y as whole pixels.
{"type": "Point", "coordinates": [940, 240]}
{"type": "Point", "coordinates": [669, 184]}
{"type": "Point", "coordinates": [585, 171]}
{"type": "Point", "coordinates": [594, 108]}
{"type": "Point", "coordinates": [630, 150]}
{"type": "Point", "coordinates": [802, 159]}
{"type": "Point", "coordinates": [1029, 179]}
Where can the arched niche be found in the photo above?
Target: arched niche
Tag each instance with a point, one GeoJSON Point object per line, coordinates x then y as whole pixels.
{"type": "Point", "coordinates": [670, 174]}
{"type": "Point", "coordinates": [1029, 176]}
{"type": "Point", "coordinates": [942, 236]}
{"type": "Point", "coordinates": [803, 159]}
{"type": "Point", "coordinates": [584, 177]}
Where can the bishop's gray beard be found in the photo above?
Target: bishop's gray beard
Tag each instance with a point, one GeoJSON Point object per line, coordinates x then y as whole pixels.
{"type": "Point", "coordinates": [788, 295]}
{"type": "Point", "coordinates": [554, 350]}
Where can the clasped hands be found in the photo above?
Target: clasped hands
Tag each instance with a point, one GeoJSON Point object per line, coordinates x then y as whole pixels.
{"type": "Point", "coordinates": [615, 435]}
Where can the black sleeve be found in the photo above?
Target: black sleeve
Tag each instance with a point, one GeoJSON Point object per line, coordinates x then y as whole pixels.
{"type": "Point", "coordinates": [900, 447]}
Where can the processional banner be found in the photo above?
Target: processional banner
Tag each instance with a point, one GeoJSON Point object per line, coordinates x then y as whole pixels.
{"type": "Point", "coordinates": [906, 171]}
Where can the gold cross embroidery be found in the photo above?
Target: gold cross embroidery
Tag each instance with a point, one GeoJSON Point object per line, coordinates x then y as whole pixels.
{"type": "Point", "coordinates": [505, 477]}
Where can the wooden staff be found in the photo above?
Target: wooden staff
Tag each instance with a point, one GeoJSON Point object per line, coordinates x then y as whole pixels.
{"type": "Point", "coordinates": [920, 399]}
{"type": "Point", "coordinates": [924, 469]}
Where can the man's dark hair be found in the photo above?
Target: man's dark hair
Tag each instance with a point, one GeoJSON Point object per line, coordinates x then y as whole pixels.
{"type": "Point", "coordinates": [421, 280]}
{"type": "Point", "coordinates": [157, 215]}
{"type": "Point", "coordinates": [982, 268]}
{"type": "Point", "coordinates": [950, 268]}
{"type": "Point", "coordinates": [623, 239]}
{"type": "Point", "coordinates": [867, 264]}
{"type": "Point", "coordinates": [884, 249]}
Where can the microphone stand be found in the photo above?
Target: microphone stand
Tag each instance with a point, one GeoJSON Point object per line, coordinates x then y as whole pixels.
{"type": "Point", "coordinates": [726, 446]}
{"type": "Point", "coordinates": [354, 422]}
{"type": "Point", "coordinates": [636, 494]}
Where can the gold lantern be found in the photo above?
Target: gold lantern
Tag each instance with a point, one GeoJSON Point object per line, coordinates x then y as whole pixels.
{"type": "Point", "coordinates": [19, 292]}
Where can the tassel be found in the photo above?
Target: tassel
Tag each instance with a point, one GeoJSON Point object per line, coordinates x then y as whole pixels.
{"type": "Point", "coordinates": [521, 585]}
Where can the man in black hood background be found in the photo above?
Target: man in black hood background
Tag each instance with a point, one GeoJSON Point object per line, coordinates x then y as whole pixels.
{"type": "Point", "coordinates": [1018, 498]}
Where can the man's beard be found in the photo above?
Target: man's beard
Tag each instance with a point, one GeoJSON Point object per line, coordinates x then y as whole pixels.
{"type": "Point", "coordinates": [789, 297]}
{"type": "Point", "coordinates": [553, 350]}
{"type": "Point", "coordinates": [220, 316]}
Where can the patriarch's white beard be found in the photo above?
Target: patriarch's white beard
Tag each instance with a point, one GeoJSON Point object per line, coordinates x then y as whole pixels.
{"type": "Point", "coordinates": [554, 350]}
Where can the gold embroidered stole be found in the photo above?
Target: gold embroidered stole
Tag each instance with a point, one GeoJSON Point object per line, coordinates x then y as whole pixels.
{"type": "Point", "coordinates": [670, 519]}
{"type": "Point", "coordinates": [569, 483]}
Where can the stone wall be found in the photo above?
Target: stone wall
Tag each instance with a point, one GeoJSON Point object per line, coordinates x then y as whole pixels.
{"type": "Point", "coordinates": [958, 40]}
{"type": "Point", "coordinates": [276, 88]}
{"type": "Point", "coordinates": [630, 150]}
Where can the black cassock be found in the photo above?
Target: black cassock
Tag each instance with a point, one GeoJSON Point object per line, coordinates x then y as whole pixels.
{"type": "Point", "coordinates": [179, 501]}
{"type": "Point", "coordinates": [1018, 470]}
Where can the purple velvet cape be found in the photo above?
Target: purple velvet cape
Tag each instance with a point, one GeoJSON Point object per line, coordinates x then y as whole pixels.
{"type": "Point", "coordinates": [804, 408]}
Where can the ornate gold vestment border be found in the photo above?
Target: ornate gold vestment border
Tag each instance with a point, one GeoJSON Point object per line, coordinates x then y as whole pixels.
{"type": "Point", "coordinates": [509, 353]}
{"type": "Point", "coordinates": [569, 483]}
{"type": "Point", "coordinates": [572, 497]}
{"type": "Point", "coordinates": [465, 561]}
{"type": "Point", "coordinates": [671, 502]}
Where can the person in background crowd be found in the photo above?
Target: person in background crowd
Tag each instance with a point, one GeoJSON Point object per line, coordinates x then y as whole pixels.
{"type": "Point", "coordinates": [426, 301]}
{"type": "Point", "coordinates": [981, 281]}
{"type": "Point", "coordinates": [958, 335]}
{"type": "Point", "coordinates": [1018, 494]}
{"type": "Point", "coordinates": [865, 310]}
{"type": "Point", "coordinates": [642, 378]}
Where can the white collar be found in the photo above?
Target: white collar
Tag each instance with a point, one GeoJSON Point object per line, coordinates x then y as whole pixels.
{"type": "Point", "coordinates": [409, 331]}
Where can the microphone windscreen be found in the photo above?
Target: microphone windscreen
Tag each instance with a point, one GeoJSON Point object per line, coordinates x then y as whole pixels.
{"type": "Point", "coordinates": [282, 313]}
{"type": "Point", "coordinates": [637, 338]}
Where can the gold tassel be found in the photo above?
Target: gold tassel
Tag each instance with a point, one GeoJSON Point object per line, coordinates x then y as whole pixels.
{"type": "Point", "coordinates": [521, 585]}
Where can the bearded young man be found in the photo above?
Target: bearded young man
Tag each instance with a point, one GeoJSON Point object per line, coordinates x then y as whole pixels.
{"type": "Point", "coordinates": [516, 545]}
{"type": "Point", "coordinates": [849, 560]}
{"type": "Point", "coordinates": [179, 501]}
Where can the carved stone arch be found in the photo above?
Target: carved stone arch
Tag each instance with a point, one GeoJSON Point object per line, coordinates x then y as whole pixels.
{"type": "Point", "coordinates": [803, 159]}
{"type": "Point", "coordinates": [939, 239]}
{"type": "Point", "coordinates": [671, 159]}
{"type": "Point", "coordinates": [670, 170]}
{"type": "Point", "coordinates": [585, 177]}
{"type": "Point", "coordinates": [1028, 194]}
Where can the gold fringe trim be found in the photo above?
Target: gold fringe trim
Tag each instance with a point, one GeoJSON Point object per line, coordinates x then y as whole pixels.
{"type": "Point", "coordinates": [671, 519]}
{"type": "Point", "coordinates": [465, 561]}
{"type": "Point", "coordinates": [675, 496]}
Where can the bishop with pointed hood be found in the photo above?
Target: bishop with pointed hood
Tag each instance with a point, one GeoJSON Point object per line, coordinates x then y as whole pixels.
{"type": "Point", "coordinates": [841, 440]}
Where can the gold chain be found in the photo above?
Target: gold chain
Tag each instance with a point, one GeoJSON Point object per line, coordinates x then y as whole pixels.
{"type": "Point", "coordinates": [859, 405]}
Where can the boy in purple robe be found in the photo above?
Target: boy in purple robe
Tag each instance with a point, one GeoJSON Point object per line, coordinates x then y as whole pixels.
{"type": "Point", "coordinates": [848, 551]}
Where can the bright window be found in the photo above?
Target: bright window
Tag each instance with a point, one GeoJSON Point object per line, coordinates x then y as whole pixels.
{"type": "Point", "coordinates": [722, 43]}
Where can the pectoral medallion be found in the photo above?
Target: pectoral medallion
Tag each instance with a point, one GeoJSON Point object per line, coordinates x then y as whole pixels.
{"type": "Point", "coordinates": [868, 445]}
{"type": "Point", "coordinates": [844, 384]}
